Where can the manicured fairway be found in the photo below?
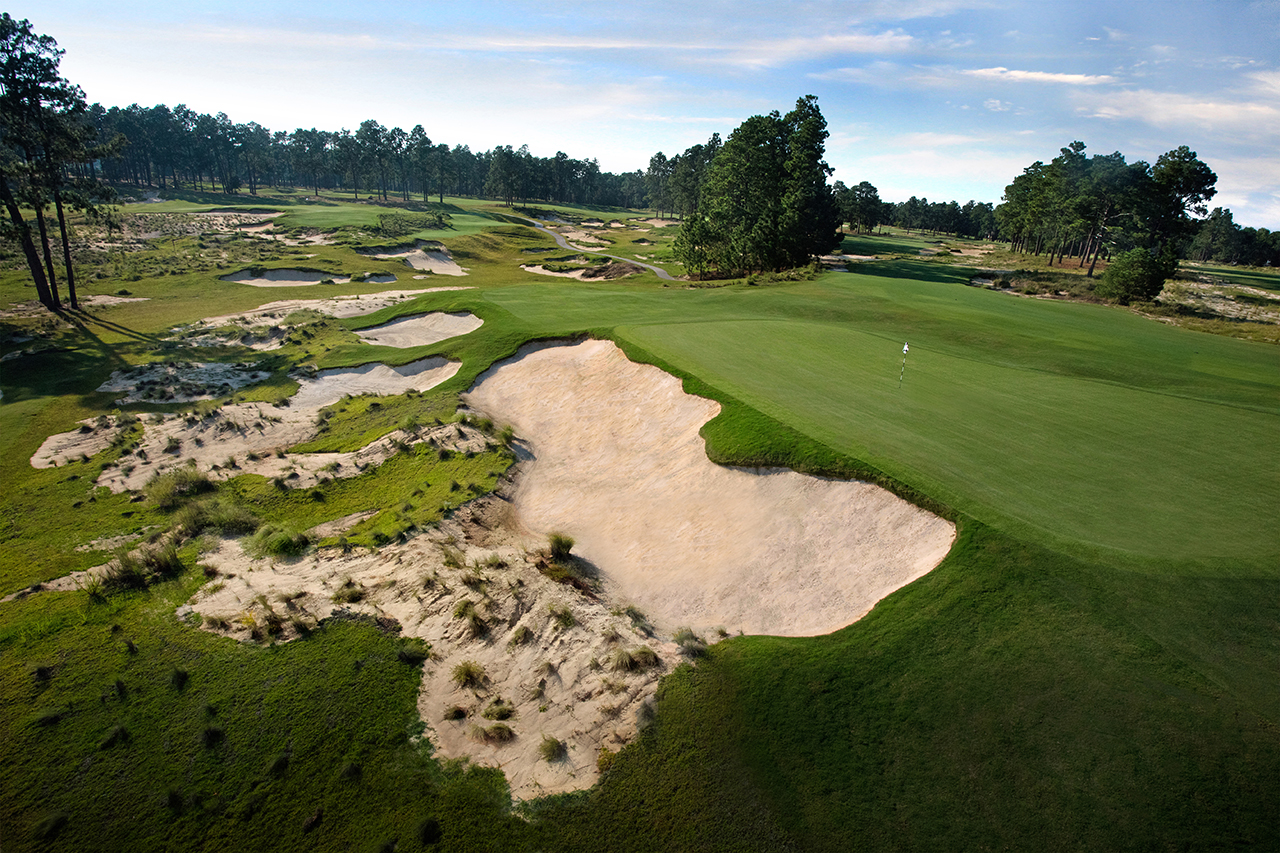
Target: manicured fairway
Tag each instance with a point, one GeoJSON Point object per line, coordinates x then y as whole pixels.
{"type": "Point", "coordinates": [1071, 424]}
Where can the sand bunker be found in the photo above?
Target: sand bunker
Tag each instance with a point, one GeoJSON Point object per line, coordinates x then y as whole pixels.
{"type": "Point", "coordinates": [330, 385]}
{"type": "Point", "coordinates": [619, 465]}
{"type": "Point", "coordinates": [422, 329]}
{"type": "Point", "coordinates": [283, 278]}
{"type": "Point", "coordinates": [422, 256]}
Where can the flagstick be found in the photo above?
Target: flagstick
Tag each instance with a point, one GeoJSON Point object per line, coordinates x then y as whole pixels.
{"type": "Point", "coordinates": [904, 366]}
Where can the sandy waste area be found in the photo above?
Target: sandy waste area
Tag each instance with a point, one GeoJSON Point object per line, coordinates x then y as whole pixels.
{"type": "Point", "coordinates": [610, 454]}
{"type": "Point", "coordinates": [423, 255]}
{"type": "Point", "coordinates": [297, 278]}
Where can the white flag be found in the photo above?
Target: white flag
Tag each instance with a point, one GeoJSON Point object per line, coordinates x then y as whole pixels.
{"type": "Point", "coordinates": [905, 349]}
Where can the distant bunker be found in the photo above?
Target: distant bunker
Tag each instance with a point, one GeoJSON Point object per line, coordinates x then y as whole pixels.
{"type": "Point", "coordinates": [295, 278]}
{"type": "Point", "coordinates": [421, 330]}
{"type": "Point", "coordinates": [422, 255]}
{"type": "Point", "coordinates": [619, 465]}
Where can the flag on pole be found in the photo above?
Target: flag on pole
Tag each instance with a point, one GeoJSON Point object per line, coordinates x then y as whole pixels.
{"type": "Point", "coordinates": [905, 350]}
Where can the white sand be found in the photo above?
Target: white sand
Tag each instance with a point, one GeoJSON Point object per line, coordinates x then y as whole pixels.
{"type": "Point", "coordinates": [338, 306]}
{"type": "Point", "coordinates": [283, 278]}
{"type": "Point", "coordinates": [619, 465]}
{"type": "Point", "coordinates": [422, 329]}
{"type": "Point", "coordinates": [423, 256]}
{"type": "Point", "coordinates": [541, 270]}
{"type": "Point", "coordinates": [328, 386]}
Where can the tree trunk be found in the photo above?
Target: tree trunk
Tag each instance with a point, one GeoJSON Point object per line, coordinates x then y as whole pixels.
{"type": "Point", "coordinates": [48, 256]}
{"type": "Point", "coordinates": [66, 251]}
{"type": "Point", "coordinates": [28, 246]}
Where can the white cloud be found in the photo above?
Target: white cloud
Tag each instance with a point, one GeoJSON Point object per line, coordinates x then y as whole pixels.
{"type": "Point", "coordinates": [996, 105]}
{"type": "Point", "coordinates": [1171, 109]}
{"type": "Point", "coordinates": [1017, 76]}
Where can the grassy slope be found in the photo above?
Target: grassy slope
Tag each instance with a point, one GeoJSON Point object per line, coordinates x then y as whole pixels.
{"type": "Point", "coordinates": [1018, 696]}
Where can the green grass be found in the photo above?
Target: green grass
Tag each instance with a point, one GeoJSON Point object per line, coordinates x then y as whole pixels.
{"type": "Point", "coordinates": [1266, 279]}
{"type": "Point", "coordinates": [1092, 667]}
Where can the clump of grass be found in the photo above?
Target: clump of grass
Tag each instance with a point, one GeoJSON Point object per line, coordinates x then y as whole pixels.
{"type": "Point", "coordinates": [469, 674]}
{"type": "Point", "coordinates": [497, 733]}
{"type": "Point", "coordinates": [552, 749]}
{"type": "Point", "coordinates": [638, 620]}
{"type": "Point", "coordinates": [466, 610]}
{"type": "Point", "coordinates": [455, 712]}
{"type": "Point", "coordinates": [633, 660]}
{"type": "Point", "coordinates": [349, 593]}
{"type": "Point", "coordinates": [614, 686]}
{"type": "Point", "coordinates": [170, 489]}
{"type": "Point", "coordinates": [605, 759]}
{"type": "Point", "coordinates": [498, 710]}
{"type": "Point", "coordinates": [562, 616]}
{"type": "Point", "coordinates": [275, 540]}
{"type": "Point", "coordinates": [413, 651]}
{"type": "Point", "coordinates": [560, 546]}
{"type": "Point", "coordinates": [217, 514]}
{"type": "Point", "coordinates": [691, 645]}
{"type": "Point", "coordinates": [520, 636]}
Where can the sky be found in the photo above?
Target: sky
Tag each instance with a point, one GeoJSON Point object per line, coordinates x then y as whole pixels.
{"type": "Point", "coordinates": [941, 99]}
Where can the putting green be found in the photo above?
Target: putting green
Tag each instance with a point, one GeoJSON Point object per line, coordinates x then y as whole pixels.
{"type": "Point", "coordinates": [1076, 425]}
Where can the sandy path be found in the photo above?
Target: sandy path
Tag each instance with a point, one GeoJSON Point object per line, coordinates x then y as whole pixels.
{"type": "Point", "coordinates": [619, 465]}
{"type": "Point", "coordinates": [422, 329]}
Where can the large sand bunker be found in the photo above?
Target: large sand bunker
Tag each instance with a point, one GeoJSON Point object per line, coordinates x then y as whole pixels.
{"type": "Point", "coordinates": [423, 255]}
{"type": "Point", "coordinates": [422, 329]}
{"type": "Point", "coordinates": [339, 306]}
{"type": "Point", "coordinates": [620, 466]}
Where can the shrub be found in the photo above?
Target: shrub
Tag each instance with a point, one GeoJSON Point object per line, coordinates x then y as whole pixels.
{"type": "Point", "coordinates": [274, 540]}
{"type": "Point", "coordinates": [552, 749]}
{"type": "Point", "coordinates": [172, 488]}
{"type": "Point", "coordinates": [1136, 276]}
{"type": "Point", "coordinates": [469, 674]}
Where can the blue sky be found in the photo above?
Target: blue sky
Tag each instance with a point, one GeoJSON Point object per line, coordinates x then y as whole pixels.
{"type": "Point", "coordinates": [936, 98]}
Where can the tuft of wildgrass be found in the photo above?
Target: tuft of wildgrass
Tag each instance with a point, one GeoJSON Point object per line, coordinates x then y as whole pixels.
{"type": "Point", "coordinates": [466, 610]}
{"type": "Point", "coordinates": [275, 540]}
{"type": "Point", "coordinates": [633, 660]}
{"type": "Point", "coordinates": [691, 645]}
{"type": "Point", "coordinates": [170, 489]}
{"type": "Point", "coordinates": [562, 616]}
{"type": "Point", "coordinates": [470, 674]}
{"type": "Point", "coordinates": [217, 514]}
{"type": "Point", "coordinates": [497, 733]}
{"type": "Point", "coordinates": [349, 593]}
{"type": "Point", "coordinates": [552, 749]}
{"type": "Point", "coordinates": [520, 636]}
{"type": "Point", "coordinates": [455, 712]}
{"type": "Point", "coordinates": [413, 651]}
{"type": "Point", "coordinates": [498, 710]}
{"type": "Point", "coordinates": [559, 545]}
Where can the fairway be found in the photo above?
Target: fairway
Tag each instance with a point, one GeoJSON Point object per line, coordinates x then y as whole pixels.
{"type": "Point", "coordinates": [1070, 424]}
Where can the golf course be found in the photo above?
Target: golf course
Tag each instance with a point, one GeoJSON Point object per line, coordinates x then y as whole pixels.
{"type": "Point", "coordinates": [1092, 665]}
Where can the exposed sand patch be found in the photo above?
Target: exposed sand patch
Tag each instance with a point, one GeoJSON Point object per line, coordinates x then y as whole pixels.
{"type": "Point", "coordinates": [180, 381]}
{"type": "Point", "coordinates": [541, 270]}
{"type": "Point", "coordinates": [619, 465]}
{"type": "Point", "coordinates": [584, 238]}
{"type": "Point", "coordinates": [252, 438]}
{"type": "Point", "coordinates": [424, 255]}
{"type": "Point", "coordinates": [338, 306]}
{"type": "Point", "coordinates": [660, 223]}
{"type": "Point", "coordinates": [583, 704]}
{"type": "Point", "coordinates": [422, 329]}
{"type": "Point", "coordinates": [283, 278]}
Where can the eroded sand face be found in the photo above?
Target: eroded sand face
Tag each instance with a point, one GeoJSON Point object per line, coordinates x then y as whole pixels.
{"type": "Point", "coordinates": [619, 465]}
{"type": "Point", "coordinates": [423, 256]}
{"type": "Point", "coordinates": [421, 330]}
